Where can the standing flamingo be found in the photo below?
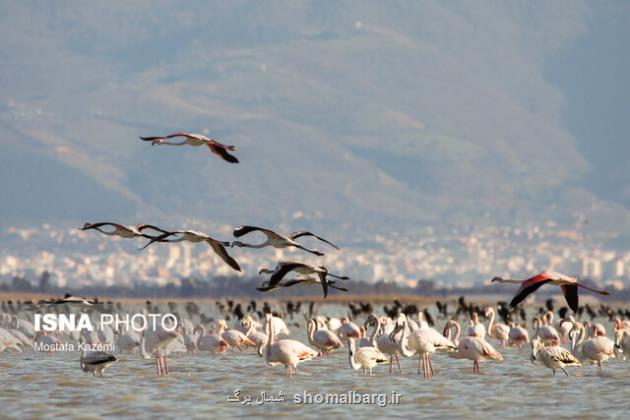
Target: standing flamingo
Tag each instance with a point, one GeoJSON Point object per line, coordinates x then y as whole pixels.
{"type": "Point", "coordinates": [364, 358]}
{"type": "Point", "coordinates": [553, 357]}
{"type": "Point", "coordinates": [476, 349]}
{"type": "Point", "coordinates": [498, 331]}
{"type": "Point", "coordinates": [286, 351]}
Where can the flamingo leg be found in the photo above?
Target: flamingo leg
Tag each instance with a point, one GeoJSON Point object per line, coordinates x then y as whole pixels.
{"type": "Point", "coordinates": [430, 363]}
{"type": "Point", "coordinates": [165, 365]}
{"type": "Point", "coordinates": [565, 372]}
{"type": "Point", "coordinates": [503, 344]}
{"type": "Point", "coordinates": [391, 363]}
{"type": "Point", "coordinates": [419, 362]}
{"type": "Point", "coordinates": [600, 371]}
{"type": "Point", "coordinates": [554, 372]}
{"type": "Point", "coordinates": [398, 363]}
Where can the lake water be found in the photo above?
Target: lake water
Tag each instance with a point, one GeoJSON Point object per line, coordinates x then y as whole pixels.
{"type": "Point", "coordinates": [38, 384]}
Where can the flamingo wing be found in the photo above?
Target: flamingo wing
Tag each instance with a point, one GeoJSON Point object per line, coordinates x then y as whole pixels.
{"type": "Point", "coordinates": [601, 292]}
{"type": "Point", "coordinates": [528, 287]}
{"type": "Point", "coordinates": [219, 248]}
{"type": "Point", "coordinates": [244, 230]}
{"type": "Point", "coordinates": [282, 270]}
{"type": "Point", "coordinates": [570, 292]}
{"type": "Point", "coordinates": [222, 152]}
{"type": "Point", "coordinates": [322, 277]}
{"type": "Point", "coordinates": [301, 233]}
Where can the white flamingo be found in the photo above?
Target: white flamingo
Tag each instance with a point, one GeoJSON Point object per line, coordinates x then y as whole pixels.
{"type": "Point", "coordinates": [497, 330]}
{"type": "Point", "coordinates": [476, 349]}
{"type": "Point", "coordinates": [321, 338]}
{"type": "Point", "coordinates": [365, 358]}
{"type": "Point", "coordinates": [286, 351]}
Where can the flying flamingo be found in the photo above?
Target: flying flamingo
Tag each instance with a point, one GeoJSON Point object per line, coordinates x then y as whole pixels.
{"type": "Point", "coordinates": [569, 286]}
{"type": "Point", "coordinates": [124, 231]}
{"type": "Point", "coordinates": [196, 140]}
{"type": "Point", "coordinates": [553, 357]}
{"type": "Point", "coordinates": [196, 237]}
{"type": "Point", "coordinates": [277, 240]}
{"type": "Point", "coordinates": [476, 349]}
{"type": "Point", "coordinates": [283, 268]}
{"type": "Point", "coordinates": [265, 287]}
{"type": "Point", "coordinates": [286, 351]}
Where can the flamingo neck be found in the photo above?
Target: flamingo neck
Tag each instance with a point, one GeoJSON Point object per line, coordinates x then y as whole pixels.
{"type": "Point", "coordinates": [351, 355]}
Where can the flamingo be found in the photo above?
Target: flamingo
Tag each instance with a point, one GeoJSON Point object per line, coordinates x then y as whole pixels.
{"type": "Point", "coordinates": [498, 331]}
{"type": "Point", "coordinates": [210, 342]}
{"type": "Point", "coordinates": [476, 328]}
{"type": "Point", "coordinates": [286, 351]}
{"type": "Point", "coordinates": [259, 338]}
{"type": "Point", "coordinates": [569, 286]}
{"type": "Point", "coordinates": [595, 349]}
{"type": "Point", "coordinates": [285, 267]}
{"type": "Point", "coordinates": [321, 338]}
{"type": "Point", "coordinates": [426, 341]}
{"type": "Point", "coordinates": [390, 344]}
{"type": "Point", "coordinates": [95, 361]}
{"type": "Point", "coordinates": [277, 240]}
{"type": "Point", "coordinates": [348, 329]}
{"type": "Point", "coordinates": [545, 331]}
{"type": "Point", "coordinates": [301, 280]}
{"type": "Point", "coordinates": [622, 343]}
{"type": "Point", "coordinates": [553, 357]}
{"type": "Point", "coordinates": [124, 231]}
{"type": "Point", "coordinates": [476, 349]}
{"type": "Point", "coordinates": [235, 338]}
{"type": "Point", "coordinates": [365, 358]}
{"type": "Point", "coordinates": [517, 336]}
{"type": "Point", "coordinates": [158, 339]}
{"type": "Point", "coordinates": [196, 140]}
{"type": "Point", "coordinates": [565, 326]}
{"type": "Point", "coordinates": [196, 237]}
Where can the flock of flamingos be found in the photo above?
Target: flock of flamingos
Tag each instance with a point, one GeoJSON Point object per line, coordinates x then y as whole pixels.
{"type": "Point", "coordinates": [374, 340]}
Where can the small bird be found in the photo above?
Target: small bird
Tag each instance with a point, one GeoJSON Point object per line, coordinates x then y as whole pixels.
{"type": "Point", "coordinates": [196, 140]}
{"type": "Point", "coordinates": [195, 237]}
{"type": "Point", "coordinates": [277, 240]}
{"type": "Point", "coordinates": [569, 286]}
{"type": "Point", "coordinates": [95, 361]}
{"type": "Point", "coordinates": [283, 268]}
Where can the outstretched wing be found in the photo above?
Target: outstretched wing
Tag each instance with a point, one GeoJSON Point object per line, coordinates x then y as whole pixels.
{"type": "Point", "coordinates": [528, 287]}
{"type": "Point", "coordinates": [244, 230]}
{"type": "Point", "coordinates": [322, 277]}
{"type": "Point", "coordinates": [219, 248]}
{"type": "Point", "coordinates": [570, 292]}
{"type": "Point", "coordinates": [222, 152]}
{"type": "Point", "coordinates": [301, 233]}
{"type": "Point", "coordinates": [97, 225]}
{"type": "Point", "coordinates": [282, 270]}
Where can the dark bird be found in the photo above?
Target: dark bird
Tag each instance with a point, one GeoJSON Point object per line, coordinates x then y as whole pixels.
{"type": "Point", "coordinates": [283, 268]}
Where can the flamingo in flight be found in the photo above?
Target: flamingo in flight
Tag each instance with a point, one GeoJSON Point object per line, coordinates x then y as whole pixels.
{"type": "Point", "coordinates": [193, 236]}
{"type": "Point", "coordinates": [569, 286]}
{"type": "Point", "coordinates": [277, 240]}
{"type": "Point", "coordinates": [124, 231]}
{"type": "Point", "coordinates": [301, 280]}
{"type": "Point", "coordinates": [196, 140]}
{"type": "Point", "coordinates": [283, 268]}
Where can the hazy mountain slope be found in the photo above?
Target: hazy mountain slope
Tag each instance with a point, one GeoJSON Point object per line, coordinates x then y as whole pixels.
{"type": "Point", "coordinates": [358, 112]}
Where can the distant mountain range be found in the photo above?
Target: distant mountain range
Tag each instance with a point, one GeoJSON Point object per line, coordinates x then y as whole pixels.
{"type": "Point", "coordinates": [344, 114]}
